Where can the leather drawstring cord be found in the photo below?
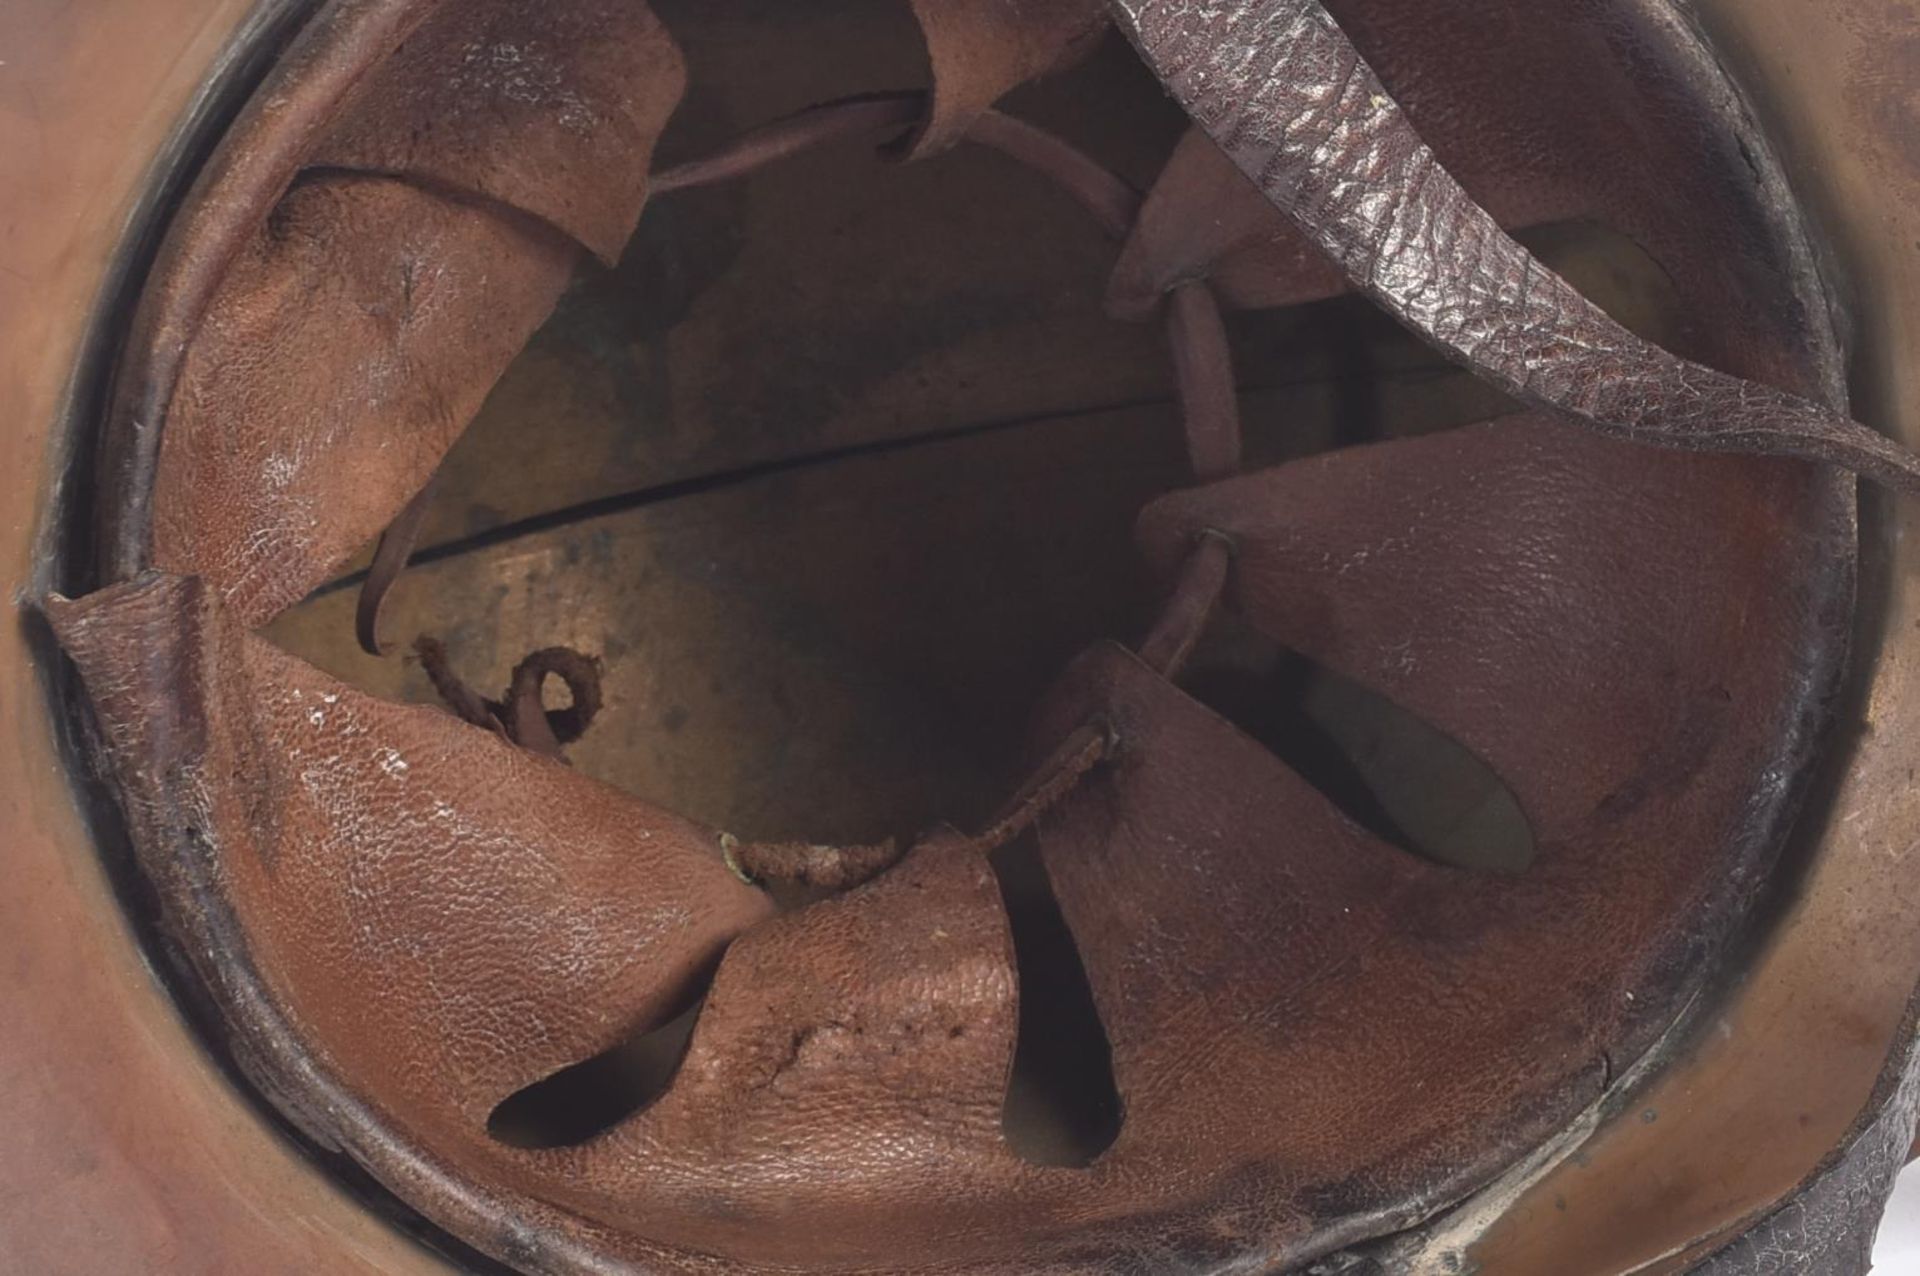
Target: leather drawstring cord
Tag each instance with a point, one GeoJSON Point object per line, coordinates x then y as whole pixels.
{"type": "Point", "coordinates": [816, 126]}
{"type": "Point", "coordinates": [1196, 596]}
{"type": "Point", "coordinates": [389, 561]}
{"type": "Point", "coordinates": [1071, 761]}
{"type": "Point", "coordinates": [1209, 393]}
{"type": "Point", "coordinates": [838, 868]}
{"type": "Point", "coordinates": [1210, 413]}
{"type": "Point", "coordinates": [521, 715]}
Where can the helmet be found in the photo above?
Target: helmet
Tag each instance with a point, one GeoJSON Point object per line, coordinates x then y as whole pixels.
{"type": "Point", "coordinates": [1164, 637]}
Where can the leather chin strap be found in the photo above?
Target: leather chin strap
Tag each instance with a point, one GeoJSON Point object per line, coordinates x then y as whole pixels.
{"type": "Point", "coordinates": [1315, 1036]}
{"type": "Point", "coordinates": [1286, 96]}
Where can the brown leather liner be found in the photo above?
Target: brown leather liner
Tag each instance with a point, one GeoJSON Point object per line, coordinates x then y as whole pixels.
{"type": "Point", "coordinates": [266, 486]}
{"type": "Point", "coordinates": [276, 465]}
{"type": "Point", "coordinates": [452, 916]}
{"type": "Point", "coordinates": [850, 1062]}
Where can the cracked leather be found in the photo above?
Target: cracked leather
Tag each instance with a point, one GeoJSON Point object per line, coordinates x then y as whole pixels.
{"type": "Point", "coordinates": [349, 335]}
{"type": "Point", "coordinates": [455, 917]}
{"type": "Point", "coordinates": [1317, 1038]}
{"type": "Point", "coordinates": [1283, 91]}
{"type": "Point", "coordinates": [1532, 134]}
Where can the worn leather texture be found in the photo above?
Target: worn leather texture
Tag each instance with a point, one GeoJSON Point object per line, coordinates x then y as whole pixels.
{"type": "Point", "coordinates": [1281, 88]}
{"type": "Point", "coordinates": [1316, 1037]}
{"type": "Point", "coordinates": [417, 302]}
{"type": "Point", "coordinates": [1577, 119]}
{"type": "Point", "coordinates": [513, 916]}
{"type": "Point", "coordinates": [558, 125]}
{"type": "Point", "coordinates": [401, 268]}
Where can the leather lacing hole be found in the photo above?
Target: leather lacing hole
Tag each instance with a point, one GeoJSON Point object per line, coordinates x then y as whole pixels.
{"type": "Point", "coordinates": [1387, 769]}
{"type": "Point", "coordinates": [586, 1099]}
{"type": "Point", "coordinates": [1062, 1107]}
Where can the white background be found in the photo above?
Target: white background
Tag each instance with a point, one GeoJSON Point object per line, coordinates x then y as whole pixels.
{"type": "Point", "coordinates": [1898, 1253]}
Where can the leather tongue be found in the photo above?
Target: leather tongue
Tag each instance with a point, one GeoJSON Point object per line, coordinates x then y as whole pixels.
{"type": "Point", "coordinates": [346, 349]}
{"type": "Point", "coordinates": [456, 918]}
{"type": "Point", "coordinates": [983, 49]}
{"type": "Point", "coordinates": [1606, 625]}
{"type": "Point", "coordinates": [850, 1060]}
{"type": "Point", "coordinates": [551, 110]}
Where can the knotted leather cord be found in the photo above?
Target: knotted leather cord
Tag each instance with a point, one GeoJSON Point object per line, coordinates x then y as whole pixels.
{"type": "Point", "coordinates": [843, 867]}
{"type": "Point", "coordinates": [808, 864]}
{"type": "Point", "coordinates": [520, 714]}
{"type": "Point", "coordinates": [837, 868]}
{"type": "Point", "coordinates": [1209, 408]}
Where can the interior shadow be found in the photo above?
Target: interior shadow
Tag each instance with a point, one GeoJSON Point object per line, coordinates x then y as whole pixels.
{"type": "Point", "coordinates": [1062, 1107]}
{"type": "Point", "coordinates": [588, 1098]}
{"type": "Point", "coordinates": [1393, 773]}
